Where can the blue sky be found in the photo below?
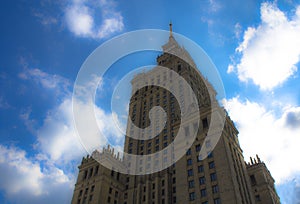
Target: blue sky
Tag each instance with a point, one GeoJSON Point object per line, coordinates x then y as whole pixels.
{"type": "Point", "coordinates": [254, 45]}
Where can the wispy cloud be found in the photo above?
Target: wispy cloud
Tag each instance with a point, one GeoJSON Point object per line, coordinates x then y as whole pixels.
{"type": "Point", "coordinates": [269, 53]}
{"type": "Point", "coordinates": [3, 103]}
{"type": "Point", "coordinates": [48, 81]}
{"type": "Point", "coordinates": [82, 17]}
{"type": "Point", "coordinates": [45, 19]}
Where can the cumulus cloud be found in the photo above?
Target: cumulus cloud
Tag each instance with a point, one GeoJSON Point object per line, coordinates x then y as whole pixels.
{"type": "Point", "coordinates": [49, 174]}
{"type": "Point", "coordinates": [81, 18]}
{"type": "Point", "coordinates": [269, 53]}
{"type": "Point", "coordinates": [264, 133]}
{"type": "Point", "coordinates": [31, 180]}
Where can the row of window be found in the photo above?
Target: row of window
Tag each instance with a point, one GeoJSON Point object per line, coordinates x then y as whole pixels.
{"type": "Point", "coordinates": [192, 196]}
{"type": "Point", "coordinates": [213, 176]}
{"type": "Point", "coordinates": [88, 173]}
{"type": "Point", "coordinates": [211, 164]}
{"type": "Point", "coordinates": [84, 199]}
{"type": "Point", "coordinates": [215, 188]}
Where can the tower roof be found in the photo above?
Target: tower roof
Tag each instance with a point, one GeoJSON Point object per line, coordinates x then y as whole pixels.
{"type": "Point", "coordinates": [172, 47]}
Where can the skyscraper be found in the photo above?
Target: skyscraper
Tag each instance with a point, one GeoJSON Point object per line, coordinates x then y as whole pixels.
{"type": "Point", "coordinates": [220, 175]}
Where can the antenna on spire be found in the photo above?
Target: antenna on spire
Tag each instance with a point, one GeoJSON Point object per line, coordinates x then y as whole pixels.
{"type": "Point", "coordinates": [170, 28]}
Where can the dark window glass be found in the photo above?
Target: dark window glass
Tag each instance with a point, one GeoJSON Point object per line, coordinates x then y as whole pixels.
{"type": "Point", "coordinates": [203, 192]}
{"type": "Point", "coordinates": [192, 196]}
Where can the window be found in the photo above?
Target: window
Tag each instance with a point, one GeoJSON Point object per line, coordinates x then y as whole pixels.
{"type": "Point", "coordinates": [92, 189]}
{"type": "Point", "coordinates": [96, 171]}
{"type": "Point", "coordinates": [215, 189]}
{"type": "Point", "coordinates": [189, 162]}
{"type": "Point", "coordinates": [156, 141]}
{"type": "Point", "coordinates": [198, 148]}
{"type": "Point", "coordinates": [179, 67]}
{"type": "Point", "coordinates": [203, 192]}
{"type": "Point", "coordinates": [190, 172]}
{"type": "Point", "coordinates": [200, 169]}
{"type": "Point", "coordinates": [163, 192]}
{"type": "Point", "coordinates": [174, 199]}
{"type": "Point", "coordinates": [202, 180]}
{"type": "Point", "coordinates": [153, 186]}
{"type": "Point", "coordinates": [211, 165]}
{"type": "Point", "coordinates": [189, 152]}
{"type": "Point", "coordinates": [191, 184]}
{"type": "Point", "coordinates": [108, 199]}
{"type": "Point", "coordinates": [174, 180]}
{"type": "Point", "coordinates": [174, 189]}
{"type": "Point", "coordinates": [80, 193]}
{"type": "Point", "coordinates": [217, 201]}
{"type": "Point", "coordinates": [163, 182]}
{"type": "Point", "coordinates": [253, 180]}
{"type": "Point", "coordinates": [116, 194]}
{"type": "Point", "coordinates": [85, 174]}
{"type": "Point", "coordinates": [210, 155]}
{"type": "Point", "coordinates": [257, 198]}
{"type": "Point", "coordinates": [204, 123]}
{"type": "Point", "coordinates": [213, 177]}
{"type": "Point", "coordinates": [91, 198]}
{"type": "Point", "coordinates": [110, 190]}
{"type": "Point", "coordinates": [205, 202]}
{"type": "Point", "coordinates": [187, 131]}
{"type": "Point", "coordinates": [192, 196]}
{"type": "Point", "coordinates": [199, 158]}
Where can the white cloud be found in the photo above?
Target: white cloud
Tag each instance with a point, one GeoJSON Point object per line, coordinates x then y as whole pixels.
{"type": "Point", "coordinates": [82, 19]}
{"type": "Point", "coordinates": [49, 174]}
{"type": "Point", "coordinates": [30, 180]}
{"type": "Point", "coordinates": [270, 51]}
{"type": "Point", "coordinates": [79, 19]}
{"type": "Point", "coordinates": [268, 135]}
{"type": "Point", "coordinates": [44, 79]}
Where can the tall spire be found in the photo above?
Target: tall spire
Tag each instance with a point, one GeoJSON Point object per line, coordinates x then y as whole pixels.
{"type": "Point", "coordinates": [170, 28]}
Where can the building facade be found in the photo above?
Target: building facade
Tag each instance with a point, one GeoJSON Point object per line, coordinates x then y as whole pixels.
{"type": "Point", "coordinates": [220, 177]}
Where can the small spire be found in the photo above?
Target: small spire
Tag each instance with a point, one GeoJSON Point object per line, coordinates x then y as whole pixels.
{"type": "Point", "coordinates": [170, 28]}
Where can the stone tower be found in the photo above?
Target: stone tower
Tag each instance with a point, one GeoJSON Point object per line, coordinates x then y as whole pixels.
{"type": "Point", "coordinates": [221, 176]}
